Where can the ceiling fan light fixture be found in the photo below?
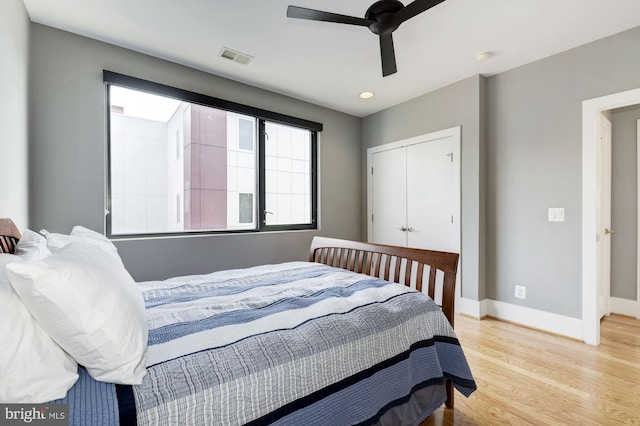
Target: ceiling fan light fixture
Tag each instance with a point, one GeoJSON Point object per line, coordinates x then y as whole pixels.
{"type": "Point", "coordinates": [366, 95]}
{"type": "Point", "coordinates": [383, 15]}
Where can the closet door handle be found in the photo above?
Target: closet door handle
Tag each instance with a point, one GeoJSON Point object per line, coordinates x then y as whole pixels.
{"type": "Point", "coordinates": [404, 228]}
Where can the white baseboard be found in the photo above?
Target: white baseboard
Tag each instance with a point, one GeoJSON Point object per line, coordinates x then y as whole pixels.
{"type": "Point", "coordinates": [624, 307]}
{"type": "Point", "coordinates": [472, 308]}
{"type": "Point", "coordinates": [541, 320]}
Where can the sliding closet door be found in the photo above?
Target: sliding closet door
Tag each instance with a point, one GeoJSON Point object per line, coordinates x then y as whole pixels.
{"type": "Point", "coordinates": [387, 174]}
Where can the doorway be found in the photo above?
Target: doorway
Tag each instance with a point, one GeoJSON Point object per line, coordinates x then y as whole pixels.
{"type": "Point", "coordinates": [591, 112]}
{"type": "Point", "coordinates": [603, 215]}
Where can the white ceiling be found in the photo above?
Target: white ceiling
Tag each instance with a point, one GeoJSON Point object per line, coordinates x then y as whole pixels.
{"type": "Point", "coordinates": [330, 64]}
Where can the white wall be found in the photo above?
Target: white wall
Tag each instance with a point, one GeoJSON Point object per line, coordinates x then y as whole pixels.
{"type": "Point", "coordinates": [140, 197]}
{"type": "Point", "coordinates": [14, 70]}
{"type": "Point", "coordinates": [241, 172]}
{"type": "Point", "coordinates": [174, 162]}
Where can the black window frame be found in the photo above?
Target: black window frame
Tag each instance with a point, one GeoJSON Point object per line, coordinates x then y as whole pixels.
{"type": "Point", "coordinates": [262, 139]}
{"type": "Point", "coordinates": [261, 115]}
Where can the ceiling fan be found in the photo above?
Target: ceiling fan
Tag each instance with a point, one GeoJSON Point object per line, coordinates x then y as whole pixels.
{"type": "Point", "coordinates": [383, 18]}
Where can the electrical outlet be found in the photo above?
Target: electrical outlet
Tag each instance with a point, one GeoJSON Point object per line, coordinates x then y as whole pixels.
{"type": "Point", "coordinates": [521, 292]}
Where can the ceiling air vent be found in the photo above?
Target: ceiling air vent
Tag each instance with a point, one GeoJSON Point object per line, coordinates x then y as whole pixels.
{"type": "Point", "coordinates": [235, 56]}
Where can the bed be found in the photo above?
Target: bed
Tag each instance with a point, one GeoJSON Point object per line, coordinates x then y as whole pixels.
{"type": "Point", "coordinates": [333, 340]}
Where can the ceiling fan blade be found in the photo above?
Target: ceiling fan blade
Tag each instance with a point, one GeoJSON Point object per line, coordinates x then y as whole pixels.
{"type": "Point", "coordinates": [416, 7]}
{"type": "Point", "coordinates": [318, 15]}
{"type": "Point", "coordinates": [388, 55]}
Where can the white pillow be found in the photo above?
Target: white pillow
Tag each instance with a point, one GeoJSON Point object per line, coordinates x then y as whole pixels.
{"type": "Point", "coordinates": [33, 368]}
{"type": "Point", "coordinates": [56, 241]}
{"type": "Point", "coordinates": [89, 304]}
{"type": "Point", "coordinates": [32, 246]}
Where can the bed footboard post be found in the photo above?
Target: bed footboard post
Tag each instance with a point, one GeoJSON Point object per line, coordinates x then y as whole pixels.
{"type": "Point", "coordinates": [449, 386]}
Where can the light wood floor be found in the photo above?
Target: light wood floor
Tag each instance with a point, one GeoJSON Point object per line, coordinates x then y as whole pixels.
{"type": "Point", "coordinates": [528, 377]}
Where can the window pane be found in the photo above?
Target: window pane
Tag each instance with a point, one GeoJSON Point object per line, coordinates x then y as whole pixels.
{"type": "Point", "coordinates": [246, 134]}
{"type": "Point", "coordinates": [246, 208]}
{"type": "Point", "coordinates": [177, 166]}
{"type": "Point", "coordinates": [288, 166]}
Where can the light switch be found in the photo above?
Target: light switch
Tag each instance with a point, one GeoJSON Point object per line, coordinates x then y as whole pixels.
{"type": "Point", "coordinates": [556, 214]}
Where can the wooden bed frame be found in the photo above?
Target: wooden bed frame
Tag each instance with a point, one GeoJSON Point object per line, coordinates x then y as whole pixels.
{"type": "Point", "coordinates": [9, 235]}
{"type": "Point", "coordinates": [401, 265]}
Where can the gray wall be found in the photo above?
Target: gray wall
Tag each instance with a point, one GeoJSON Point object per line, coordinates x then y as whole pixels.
{"type": "Point", "coordinates": [14, 51]}
{"type": "Point", "coordinates": [522, 141]}
{"type": "Point", "coordinates": [67, 125]}
{"type": "Point", "coordinates": [521, 154]}
{"type": "Point", "coordinates": [624, 202]}
{"type": "Point", "coordinates": [534, 142]}
{"type": "Point", "coordinates": [454, 105]}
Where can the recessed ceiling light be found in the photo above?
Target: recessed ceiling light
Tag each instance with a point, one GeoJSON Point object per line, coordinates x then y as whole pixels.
{"type": "Point", "coordinates": [484, 56]}
{"type": "Point", "coordinates": [366, 95]}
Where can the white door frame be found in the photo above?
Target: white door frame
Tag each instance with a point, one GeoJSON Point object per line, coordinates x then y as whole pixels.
{"type": "Point", "coordinates": [603, 218]}
{"type": "Point", "coordinates": [591, 110]}
{"type": "Point", "coordinates": [638, 229]}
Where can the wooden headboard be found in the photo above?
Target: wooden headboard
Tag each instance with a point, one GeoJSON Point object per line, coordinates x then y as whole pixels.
{"type": "Point", "coordinates": [9, 236]}
{"type": "Point", "coordinates": [402, 265]}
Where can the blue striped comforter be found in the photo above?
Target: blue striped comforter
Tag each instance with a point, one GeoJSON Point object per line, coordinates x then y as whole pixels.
{"type": "Point", "coordinates": [294, 343]}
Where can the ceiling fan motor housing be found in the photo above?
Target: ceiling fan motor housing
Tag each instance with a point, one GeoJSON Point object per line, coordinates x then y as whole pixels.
{"type": "Point", "coordinates": [383, 13]}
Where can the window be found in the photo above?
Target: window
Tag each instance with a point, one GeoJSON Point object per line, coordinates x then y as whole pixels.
{"type": "Point", "coordinates": [180, 162]}
{"type": "Point", "coordinates": [288, 175]}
